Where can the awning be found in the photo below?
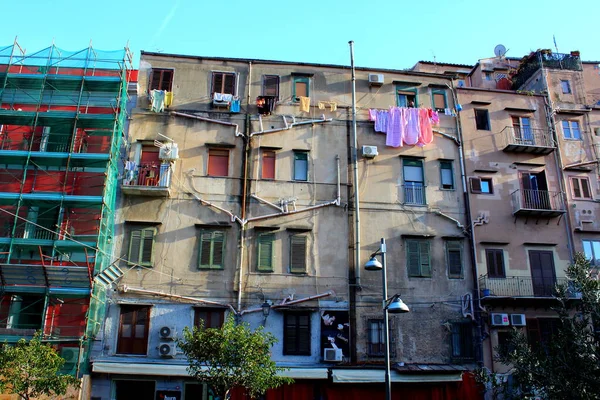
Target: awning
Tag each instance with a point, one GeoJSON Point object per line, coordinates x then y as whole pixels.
{"type": "Point", "coordinates": [376, 376]}
{"type": "Point", "coordinates": [181, 370]}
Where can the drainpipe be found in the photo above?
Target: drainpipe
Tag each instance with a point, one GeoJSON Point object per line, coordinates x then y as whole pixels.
{"type": "Point", "coordinates": [355, 173]}
{"type": "Point", "coordinates": [331, 203]}
{"type": "Point", "coordinates": [289, 126]}
{"type": "Point", "coordinates": [215, 121]}
{"type": "Point", "coordinates": [266, 202]}
{"type": "Point", "coordinates": [317, 296]}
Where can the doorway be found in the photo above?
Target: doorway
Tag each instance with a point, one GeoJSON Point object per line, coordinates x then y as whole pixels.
{"type": "Point", "coordinates": [127, 390]}
{"type": "Point", "coordinates": [543, 274]}
{"type": "Point", "coordinates": [535, 191]}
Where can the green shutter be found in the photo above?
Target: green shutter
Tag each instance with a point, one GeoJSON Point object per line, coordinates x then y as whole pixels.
{"type": "Point", "coordinates": [135, 244]}
{"type": "Point", "coordinates": [454, 259]}
{"type": "Point", "coordinates": [424, 259]}
{"type": "Point", "coordinates": [298, 254]}
{"type": "Point", "coordinates": [204, 250]}
{"type": "Point", "coordinates": [412, 258]}
{"type": "Point", "coordinates": [147, 246]}
{"type": "Point", "coordinates": [218, 249]}
{"type": "Point", "coordinates": [211, 250]}
{"type": "Point", "coordinates": [265, 252]}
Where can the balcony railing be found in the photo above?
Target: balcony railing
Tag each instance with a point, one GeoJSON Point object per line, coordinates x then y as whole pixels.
{"type": "Point", "coordinates": [147, 179]}
{"type": "Point", "coordinates": [59, 143]}
{"type": "Point", "coordinates": [541, 203]}
{"type": "Point", "coordinates": [414, 193]}
{"type": "Point", "coordinates": [518, 286]}
{"type": "Point", "coordinates": [527, 140]}
{"type": "Point", "coordinates": [548, 59]}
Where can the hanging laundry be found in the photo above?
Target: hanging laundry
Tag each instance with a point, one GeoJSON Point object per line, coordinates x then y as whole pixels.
{"type": "Point", "coordinates": [381, 121]}
{"type": "Point", "coordinates": [304, 104]}
{"type": "Point", "coordinates": [157, 100]}
{"type": "Point", "coordinates": [396, 124]}
{"type": "Point", "coordinates": [321, 105]}
{"type": "Point", "coordinates": [434, 116]}
{"type": "Point", "coordinates": [129, 172]}
{"type": "Point", "coordinates": [426, 131]}
{"type": "Point", "coordinates": [372, 114]}
{"type": "Point", "coordinates": [332, 106]}
{"type": "Point", "coordinates": [234, 106]}
{"type": "Point", "coordinates": [447, 111]}
{"type": "Point", "coordinates": [266, 104]}
{"type": "Point", "coordinates": [411, 136]}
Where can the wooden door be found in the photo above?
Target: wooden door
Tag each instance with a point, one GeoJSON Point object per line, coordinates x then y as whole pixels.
{"type": "Point", "coordinates": [543, 274]}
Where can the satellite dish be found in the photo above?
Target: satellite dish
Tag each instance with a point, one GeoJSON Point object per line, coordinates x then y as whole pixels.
{"type": "Point", "coordinates": [500, 50]}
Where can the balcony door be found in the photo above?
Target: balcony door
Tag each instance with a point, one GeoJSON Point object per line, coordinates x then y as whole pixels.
{"type": "Point", "coordinates": [535, 191]}
{"type": "Point", "coordinates": [522, 130]}
{"type": "Point", "coordinates": [543, 274]}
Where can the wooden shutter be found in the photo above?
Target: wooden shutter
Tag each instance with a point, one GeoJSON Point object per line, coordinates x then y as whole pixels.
{"type": "Point", "coordinates": [412, 258]}
{"type": "Point", "coordinates": [155, 79]}
{"type": "Point", "coordinates": [218, 162]}
{"type": "Point", "coordinates": [304, 334]}
{"type": "Point", "coordinates": [147, 246]}
{"type": "Point", "coordinates": [229, 85]}
{"type": "Point", "coordinates": [211, 248]}
{"type": "Point", "coordinates": [167, 80]}
{"type": "Point", "coordinates": [135, 244]}
{"type": "Point", "coordinates": [439, 101]}
{"type": "Point", "coordinates": [585, 188]}
{"type": "Point", "coordinates": [265, 252]}
{"type": "Point", "coordinates": [271, 86]}
{"type": "Point", "coordinates": [475, 184]}
{"type": "Point", "coordinates": [301, 87]}
{"type": "Point", "coordinates": [495, 263]}
{"type": "Point", "coordinates": [217, 83]}
{"type": "Point", "coordinates": [268, 164]}
{"type": "Point", "coordinates": [424, 260]}
{"type": "Point", "coordinates": [204, 257]}
{"type": "Point", "coordinates": [454, 257]}
{"type": "Point", "coordinates": [290, 334]}
{"type": "Point", "coordinates": [133, 330]}
{"type": "Point", "coordinates": [298, 254]}
{"type": "Point", "coordinates": [218, 245]}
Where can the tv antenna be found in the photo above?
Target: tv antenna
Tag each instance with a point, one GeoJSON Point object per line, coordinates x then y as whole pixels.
{"type": "Point", "coordinates": [500, 50]}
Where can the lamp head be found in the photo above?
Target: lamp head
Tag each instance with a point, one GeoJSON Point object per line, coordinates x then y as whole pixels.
{"type": "Point", "coordinates": [266, 309]}
{"type": "Point", "coordinates": [373, 264]}
{"type": "Point", "coordinates": [397, 306]}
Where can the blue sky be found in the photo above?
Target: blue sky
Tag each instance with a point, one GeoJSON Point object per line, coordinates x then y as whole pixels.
{"type": "Point", "coordinates": [387, 34]}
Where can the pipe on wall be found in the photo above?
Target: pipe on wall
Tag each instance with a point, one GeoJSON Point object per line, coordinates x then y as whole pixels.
{"type": "Point", "coordinates": [289, 303]}
{"type": "Point", "coordinates": [205, 119]}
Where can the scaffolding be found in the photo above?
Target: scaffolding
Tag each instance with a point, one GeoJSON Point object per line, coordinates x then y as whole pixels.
{"type": "Point", "coordinates": [62, 116]}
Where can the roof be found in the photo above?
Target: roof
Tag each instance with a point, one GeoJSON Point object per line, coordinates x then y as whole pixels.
{"type": "Point", "coordinates": [441, 63]}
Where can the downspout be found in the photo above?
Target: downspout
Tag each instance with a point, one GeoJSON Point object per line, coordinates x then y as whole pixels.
{"type": "Point", "coordinates": [331, 203]}
{"type": "Point", "coordinates": [215, 121]}
{"type": "Point", "coordinates": [355, 173]}
{"type": "Point", "coordinates": [317, 296]}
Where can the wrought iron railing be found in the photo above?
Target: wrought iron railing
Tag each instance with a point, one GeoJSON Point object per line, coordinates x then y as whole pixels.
{"type": "Point", "coordinates": [548, 60]}
{"type": "Point", "coordinates": [528, 199]}
{"type": "Point", "coordinates": [519, 286]}
{"type": "Point", "coordinates": [149, 175]}
{"type": "Point", "coordinates": [414, 193]}
{"type": "Point", "coordinates": [526, 136]}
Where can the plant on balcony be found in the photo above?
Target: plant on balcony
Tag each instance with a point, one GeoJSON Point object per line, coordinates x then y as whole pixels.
{"type": "Point", "coordinates": [232, 356]}
{"type": "Point", "coordinates": [31, 369]}
{"type": "Point", "coordinates": [567, 366]}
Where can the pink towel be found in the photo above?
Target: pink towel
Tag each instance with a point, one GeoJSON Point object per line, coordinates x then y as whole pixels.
{"type": "Point", "coordinates": [426, 133]}
{"type": "Point", "coordinates": [395, 130]}
{"type": "Point", "coordinates": [411, 136]}
{"type": "Point", "coordinates": [372, 114]}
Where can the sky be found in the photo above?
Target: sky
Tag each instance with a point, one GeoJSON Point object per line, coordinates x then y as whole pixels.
{"type": "Point", "coordinates": [391, 34]}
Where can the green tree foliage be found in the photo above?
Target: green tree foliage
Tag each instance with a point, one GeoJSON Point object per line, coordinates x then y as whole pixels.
{"type": "Point", "coordinates": [31, 369]}
{"type": "Point", "coordinates": [568, 365]}
{"type": "Point", "coordinates": [232, 356]}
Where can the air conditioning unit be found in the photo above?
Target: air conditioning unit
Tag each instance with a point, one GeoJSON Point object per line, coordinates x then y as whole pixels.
{"type": "Point", "coordinates": [500, 319]}
{"type": "Point", "coordinates": [71, 356]}
{"type": "Point", "coordinates": [369, 151]}
{"type": "Point", "coordinates": [167, 333]}
{"type": "Point", "coordinates": [375, 79]}
{"type": "Point", "coordinates": [517, 319]}
{"type": "Point", "coordinates": [169, 152]}
{"type": "Point", "coordinates": [167, 349]}
{"type": "Point", "coordinates": [332, 355]}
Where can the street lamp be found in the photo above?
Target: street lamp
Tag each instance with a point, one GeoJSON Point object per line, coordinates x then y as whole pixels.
{"type": "Point", "coordinates": [394, 305]}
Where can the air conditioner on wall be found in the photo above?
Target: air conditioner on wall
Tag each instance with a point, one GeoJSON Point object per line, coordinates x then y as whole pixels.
{"type": "Point", "coordinates": [517, 319]}
{"type": "Point", "coordinates": [499, 319]}
{"type": "Point", "coordinates": [369, 151]}
{"type": "Point", "coordinates": [167, 349]}
{"type": "Point", "coordinates": [169, 152]}
{"type": "Point", "coordinates": [167, 333]}
{"type": "Point", "coordinates": [332, 355]}
{"type": "Point", "coordinates": [376, 79]}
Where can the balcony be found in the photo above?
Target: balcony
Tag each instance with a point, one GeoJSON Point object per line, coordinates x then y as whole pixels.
{"type": "Point", "coordinates": [527, 140]}
{"type": "Point", "coordinates": [148, 180]}
{"type": "Point", "coordinates": [537, 203]}
{"type": "Point", "coordinates": [518, 286]}
{"type": "Point", "coordinates": [534, 62]}
{"type": "Point", "coordinates": [414, 193]}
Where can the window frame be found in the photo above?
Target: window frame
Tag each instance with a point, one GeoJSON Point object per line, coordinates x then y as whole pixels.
{"type": "Point", "coordinates": [272, 155]}
{"type": "Point", "coordinates": [210, 171]}
{"type": "Point", "coordinates": [447, 165]}
{"type": "Point", "coordinates": [223, 75]}
{"type": "Point", "coordinates": [300, 79]}
{"type": "Point", "coordinates": [488, 76]}
{"type": "Point", "coordinates": [381, 339]}
{"type": "Point", "coordinates": [412, 162]}
{"type": "Point", "coordinates": [210, 311]}
{"type": "Point", "coordinates": [487, 126]}
{"type": "Point", "coordinates": [422, 245]}
{"type": "Point", "coordinates": [407, 90]}
{"type": "Point", "coordinates": [499, 271]}
{"type": "Point", "coordinates": [454, 245]}
{"type": "Point", "coordinates": [143, 231]}
{"type": "Point", "coordinates": [301, 239]}
{"type": "Point", "coordinates": [298, 154]}
{"type": "Point", "coordinates": [566, 84]}
{"type": "Point", "coordinates": [595, 260]}
{"type": "Point", "coordinates": [298, 329]}
{"type": "Point", "coordinates": [145, 339]}
{"type": "Point", "coordinates": [213, 242]}
{"type": "Point", "coordinates": [580, 187]}
{"type": "Point", "coordinates": [568, 125]}
{"type": "Point", "coordinates": [161, 79]}
{"type": "Point", "coordinates": [265, 85]}
{"type": "Point", "coordinates": [264, 238]}
{"type": "Point", "coordinates": [479, 190]}
{"type": "Point", "coordinates": [461, 338]}
{"type": "Point", "coordinates": [439, 91]}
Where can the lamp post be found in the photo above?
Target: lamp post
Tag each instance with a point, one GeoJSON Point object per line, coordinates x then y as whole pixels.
{"type": "Point", "coordinates": [393, 305]}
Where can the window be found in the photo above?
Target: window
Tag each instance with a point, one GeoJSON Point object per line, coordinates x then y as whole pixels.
{"type": "Point", "coordinates": [438, 99]}
{"type": "Point", "coordinates": [522, 130]}
{"type": "Point", "coordinates": [218, 162]}
{"type": "Point", "coordinates": [571, 130]}
{"type": "Point", "coordinates": [454, 259]}
{"type": "Point", "coordinates": [298, 254]}
{"type": "Point", "coordinates": [268, 164]}
{"type": "Point", "coordinates": [375, 337]}
{"type": "Point", "coordinates": [481, 185]}
{"type": "Point", "coordinates": [541, 330]}
{"type": "Point", "coordinates": [580, 187]}
{"type": "Point", "coordinates": [414, 182]}
{"type": "Point", "coordinates": [591, 249]}
{"type": "Point", "coordinates": [565, 85]}
{"type": "Point", "coordinates": [418, 259]}
{"type": "Point", "coordinates": [406, 96]}
{"type": "Point", "coordinates": [223, 82]}
{"type": "Point", "coordinates": [482, 119]}
{"type": "Point", "coordinates": [300, 87]}
{"type": "Point", "coordinates": [300, 166]}
{"type": "Point", "coordinates": [462, 341]}
{"type": "Point", "coordinates": [212, 249]}
{"type": "Point", "coordinates": [296, 334]}
{"type": "Point", "coordinates": [161, 79]}
{"type": "Point", "coordinates": [488, 76]}
{"type": "Point", "coordinates": [495, 263]}
{"type": "Point", "coordinates": [209, 317]}
{"type": "Point", "coordinates": [141, 243]}
{"type": "Point", "coordinates": [133, 329]}
{"type": "Point", "coordinates": [265, 252]}
{"type": "Point", "coordinates": [271, 86]}
{"type": "Point", "coordinates": [446, 175]}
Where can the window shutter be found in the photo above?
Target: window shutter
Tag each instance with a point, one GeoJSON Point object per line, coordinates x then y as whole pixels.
{"type": "Point", "coordinates": [229, 86]}
{"type": "Point", "coordinates": [585, 188]}
{"type": "Point", "coordinates": [298, 254]}
{"type": "Point", "coordinates": [147, 245]}
{"type": "Point", "coordinates": [290, 334]}
{"type": "Point", "coordinates": [412, 258]}
{"type": "Point", "coordinates": [218, 244]}
{"type": "Point", "coordinates": [167, 79]}
{"type": "Point", "coordinates": [217, 83]}
{"type": "Point", "coordinates": [204, 257]}
{"type": "Point", "coordinates": [155, 79]}
{"type": "Point", "coordinates": [439, 101]}
{"type": "Point", "coordinates": [425, 262]}
{"type": "Point", "coordinates": [304, 334]}
{"type": "Point", "coordinates": [265, 252]}
{"type": "Point", "coordinates": [475, 185]}
{"type": "Point", "coordinates": [454, 254]}
{"type": "Point", "coordinates": [135, 244]}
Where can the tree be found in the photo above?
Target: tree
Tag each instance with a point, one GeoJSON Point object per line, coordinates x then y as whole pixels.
{"type": "Point", "coordinates": [568, 365]}
{"type": "Point", "coordinates": [31, 369]}
{"type": "Point", "coordinates": [232, 356]}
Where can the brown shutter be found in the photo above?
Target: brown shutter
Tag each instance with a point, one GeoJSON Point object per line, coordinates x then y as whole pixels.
{"type": "Point", "coordinates": [268, 164]}
{"type": "Point", "coordinates": [218, 162]}
{"type": "Point", "coordinates": [475, 185]}
{"type": "Point", "coordinates": [217, 83]}
{"type": "Point", "coordinates": [298, 254]}
{"type": "Point", "coordinates": [229, 85]}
